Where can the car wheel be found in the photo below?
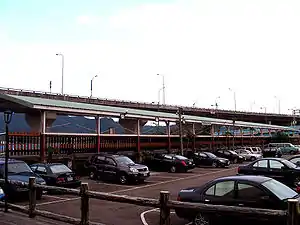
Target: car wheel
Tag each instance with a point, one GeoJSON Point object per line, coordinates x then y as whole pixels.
{"type": "Point", "coordinates": [235, 160]}
{"type": "Point", "coordinates": [92, 175]}
{"type": "Point", "coordinates": [292, 152]}
{"type": "Point", "coordinates": [252, 158]}
{"type": "Point", "coordinates": [173, 169]}
{"type": "Point", "coordinates": [200, 219]}
{"type": "Point", "coordinates": [214, 164]}
{"type": "Point", "coordinates": [123, 178]}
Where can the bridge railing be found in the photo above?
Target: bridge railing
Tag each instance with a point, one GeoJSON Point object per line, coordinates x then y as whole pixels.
{"type": "Point", "coordinates": [163, 204]}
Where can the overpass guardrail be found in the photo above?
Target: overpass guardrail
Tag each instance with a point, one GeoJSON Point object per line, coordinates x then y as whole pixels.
{"type": "Point", "coordinates": [163, 203]}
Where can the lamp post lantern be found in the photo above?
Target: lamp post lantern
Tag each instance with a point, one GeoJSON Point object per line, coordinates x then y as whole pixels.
{"type": "Point", "coordinates": [7, 120]}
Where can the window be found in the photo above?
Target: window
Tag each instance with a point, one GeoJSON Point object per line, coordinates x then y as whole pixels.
{"type": "Point", "coordinates": [279, 189]}
{"type": "Point", "coordinates": [274, 164]}
{"type": "Point", "coordinates": [110, 161]}
{"type": "Point", "coordinates": [249, 192]}
{"type": "Point", "coordinates": [168, 157]}
{"type": "Point", "coordinates": [123, 160]}
{"type": "Point", "coordinates": [261, 164]}
{"type": "Point", "coordinates": [221, 189]}
{"type": "Point", "coordinates": [41, 169]}
{"type": "Point", "coordinates": [295, 160]}
{"type": "Point", "coordinates": [60, 168]}
{"type": "Point", "coordinates": [202, 155]}
{"type": "Point", "coordinates": [99, 159]}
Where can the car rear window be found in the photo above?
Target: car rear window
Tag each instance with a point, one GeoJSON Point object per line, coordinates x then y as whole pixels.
{"type": "Point", "coordinates": [60, 169]}
{"type": "Point", "coordinates": [180, 157]}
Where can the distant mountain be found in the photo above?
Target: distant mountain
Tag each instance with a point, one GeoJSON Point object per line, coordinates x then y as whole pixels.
{"type": "Point", "coordinates": [73, 124]}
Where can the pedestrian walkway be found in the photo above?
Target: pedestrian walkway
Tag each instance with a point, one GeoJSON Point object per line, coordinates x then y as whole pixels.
{"type": "Point", "coordinates": [16, 218]}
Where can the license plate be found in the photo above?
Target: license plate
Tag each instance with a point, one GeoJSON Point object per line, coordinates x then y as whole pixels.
{"type": "Point", "coordinates": [145, 174]}
{"type": "Point", "coordinates": [69, 178]}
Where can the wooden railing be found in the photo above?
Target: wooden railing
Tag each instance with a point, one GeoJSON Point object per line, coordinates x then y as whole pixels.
{"type": "Point", "coordinates": [164, 204]}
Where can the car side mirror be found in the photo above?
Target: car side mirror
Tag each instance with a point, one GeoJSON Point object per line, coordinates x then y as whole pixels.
{"type": "Point", "coordinates": [297, 163]}
{"type": "Point", "coordinates": [283, 167]}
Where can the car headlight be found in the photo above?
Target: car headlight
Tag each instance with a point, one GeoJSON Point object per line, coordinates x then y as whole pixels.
{"type": "Point", "coordinates": [43, 183]}
{"type": "Point", "coordinates": [1, 191]}
{"type": "Point", "coordinates": [133, 170]}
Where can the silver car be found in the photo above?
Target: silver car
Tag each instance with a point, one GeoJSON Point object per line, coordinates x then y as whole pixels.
{"type": "Point", "coordinates": [249, 156]}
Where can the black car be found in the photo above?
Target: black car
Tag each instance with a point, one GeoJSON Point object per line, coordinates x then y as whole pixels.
{"type": "Point", "coordinates": [248, 191]}
{"type": "Point", "coordinates": [18, 175]}
{"type": "Point", "coordinates": [295, 159]}
{"type": "Point", "coordinates": [230, 155]}
{"type": "Point", "coordinates": [209, 159]}
{"type": "Point", "coordinates": [56, 174]}
{"type": "Point", "coordinates": [170, 162]}
{"type": "Point", "coordinates": [116, 168]}
{"type": "Point", "coordinates": [277, 168]}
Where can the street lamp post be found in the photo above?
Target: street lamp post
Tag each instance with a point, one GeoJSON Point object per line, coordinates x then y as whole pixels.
{"type": "Point", "coordinates": [92, 84]}
{"type": "Point", "coordinates": [278, 99]}
{"type": "Point", "coordinates": [234, 97]}
{"type": "Point", "coordinates": [62, 71]}
{"type": "Point", "coordinates": [163, 88]}
{"type": "Point", "coordinates": [180, 118]}
{"type": "Point", "coordinates": [265, 108]}
{"type": "Point", "coordinates": [7, 120]}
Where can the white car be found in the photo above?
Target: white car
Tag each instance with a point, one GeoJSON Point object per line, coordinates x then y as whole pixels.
{"type": "Point", "coordinates": [248, 155]}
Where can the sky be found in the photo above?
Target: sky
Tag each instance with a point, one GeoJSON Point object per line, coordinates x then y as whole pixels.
{"type": "Point", "coordinates": [203, 48]}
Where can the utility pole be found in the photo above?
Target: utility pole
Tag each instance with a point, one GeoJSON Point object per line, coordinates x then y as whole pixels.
{"type": "Point", "coordinates": [180, 112]}
{"type": "Point", "coordinates": [50, 86]}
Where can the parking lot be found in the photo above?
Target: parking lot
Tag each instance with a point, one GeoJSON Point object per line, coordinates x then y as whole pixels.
{"type": "Point", "coordinates": [112, 213]}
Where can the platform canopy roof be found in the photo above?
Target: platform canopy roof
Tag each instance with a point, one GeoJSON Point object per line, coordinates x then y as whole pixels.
{"type": "Point", "coordinates": [86, 109]}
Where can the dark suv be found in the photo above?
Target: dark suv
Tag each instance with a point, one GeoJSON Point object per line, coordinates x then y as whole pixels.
{"type": "Point", "coordinates": [116, 168]}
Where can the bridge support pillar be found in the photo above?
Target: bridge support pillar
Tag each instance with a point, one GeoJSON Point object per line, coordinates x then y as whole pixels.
{"type": "Point", "coordinates": [34, 120]}
{"type": "Point", "coordinates": [131, 126]}
{"type": "Point", "coordinates": [39, 122]}
{"type": "Point", "coordinates": [134, 126]}
{"type": "Point", "coordinates": [98, 130]}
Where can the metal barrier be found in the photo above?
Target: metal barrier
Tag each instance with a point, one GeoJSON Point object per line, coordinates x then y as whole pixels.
{"type": "Point", "coordinates": [163, 203]}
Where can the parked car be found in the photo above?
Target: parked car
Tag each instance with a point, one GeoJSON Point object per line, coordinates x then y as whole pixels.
{"type": "Point", "coordinates": [277, 168]}
{"type": "Point", "coordinates": [170, 162]}
{"type": "Point", "coordinates": [231, 155]}
{"type": "Point", "coordinates": [255, 150]}
{"type": "Point", "coordinates": [295, 159]}
{"type": "Point", "coordinates": [56, 174]}
{"type": "Point", "coordinates": [209, 159]}
{"type": "Point", "coordinates": [116, 168]}
{"type": "Point", "coordinates": [271, 152]}
{"type": "Point", "coordinates": [18, 176]}
{"type": "Point", "coordinates": [286, 148]}
{"type": "Point", "coordinates": [248, 191]}
{"type": "Point", "coordinates": [248, 155]}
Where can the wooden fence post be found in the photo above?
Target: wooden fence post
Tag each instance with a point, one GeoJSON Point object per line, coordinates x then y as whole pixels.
{"type": "Point", "coordinates": [293, 212]}
{"type": "Point", "coordinates": [164, 210]}
{"type": "Point", "coordinates": [32, 197]}
{"type": "Point", "coordinates": [84, 204]}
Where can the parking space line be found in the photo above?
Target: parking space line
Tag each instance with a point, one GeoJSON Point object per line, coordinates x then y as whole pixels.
{"type": "Point", "coordinates": [53, 196]}
{"type": "Point", "coordinates": [158, 176]}
{"type": "Point", "coordinates": [116, 185]}
{"type": "Point", "coordinates": [58, 201]}
{"type": "Point", "coordinates": [170, 181]}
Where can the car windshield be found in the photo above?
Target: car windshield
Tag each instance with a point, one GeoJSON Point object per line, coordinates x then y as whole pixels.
{"type": "Point", "coordinates": [289, 164]}
{"type": "Point", "coordinates": [211, 155]}
{"type": "Point", "coordinates": [279, 189]}
{"type": "Point", "coordinates": [17, 168]}
{"type": "Point", "coordinates": [124, 160]}
{"type": "Point", "coordinates": [232, 152]}
{"type": "Point", "coordinates": [61, 168]}
{"type": "Point", "coordinates": [180, 157]}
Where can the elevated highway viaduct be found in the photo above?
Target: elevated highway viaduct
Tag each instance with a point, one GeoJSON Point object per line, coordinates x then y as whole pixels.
{"type": "Point", "coordinates": [270, 118]}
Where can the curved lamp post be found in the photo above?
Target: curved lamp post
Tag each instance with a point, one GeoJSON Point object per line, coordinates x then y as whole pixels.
{"type": "Point", "coordinates": [7, 120]}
